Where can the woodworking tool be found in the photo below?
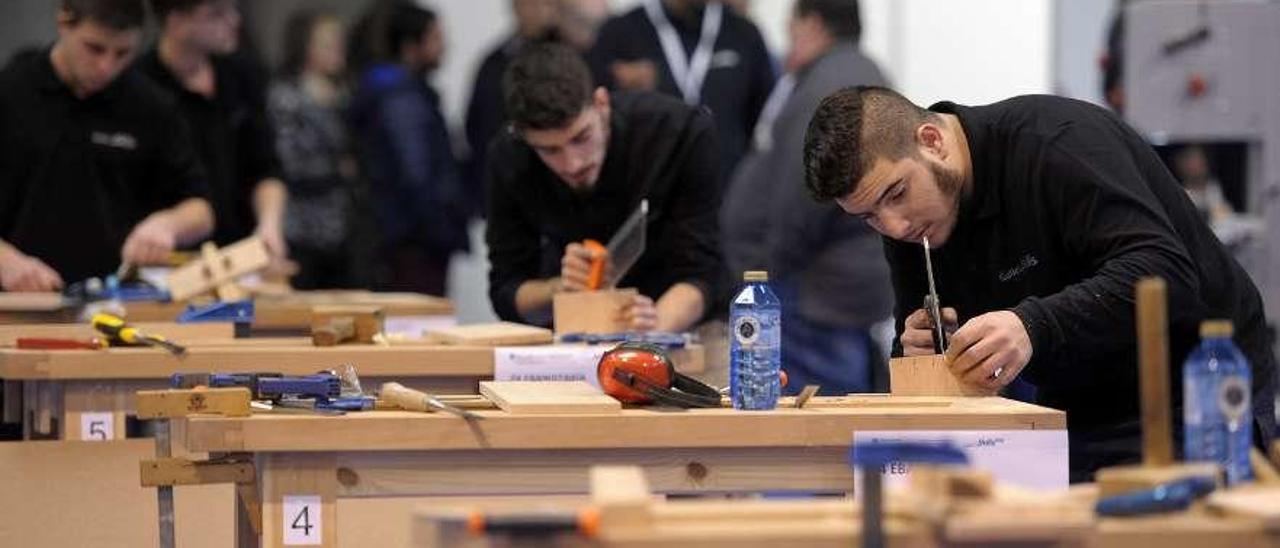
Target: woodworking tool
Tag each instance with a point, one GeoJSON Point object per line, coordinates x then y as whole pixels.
{"type": "Point", "coordinates": [115, 328]}
{"type": "Point", "coordinates": [932, 305]}
{"type": "Point", "coordinates": [625, 248]}
{"type": "Point", "coordinates": [233, 311]}
{"type": "Point", "coordinates": [46, 343]}
{"type": "Point", "coordinates": [413, 400]}
{"type": "Point", "coordinates": [1168, 497]}
{"type": "Point", "coordinates": [585, 522]}
{"type": "Point", "coordinates": [321, 392]}
{"type": "Point", "coordinates": [871, 458]}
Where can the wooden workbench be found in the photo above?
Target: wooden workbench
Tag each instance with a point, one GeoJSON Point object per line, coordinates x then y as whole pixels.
{"type": "Point", "coordinates": [403, 454]}
{"type": "Point", "coordinates": [288, 312]}
{"type": "Point", "coordinates": [62, 389]}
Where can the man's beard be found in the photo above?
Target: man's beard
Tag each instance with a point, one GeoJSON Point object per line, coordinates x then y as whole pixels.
{"type": "Point", "coordinates": [950, 183]}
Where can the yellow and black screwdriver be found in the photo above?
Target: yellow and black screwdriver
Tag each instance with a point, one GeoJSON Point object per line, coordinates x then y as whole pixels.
{"type": "Point", "coordinates": [115, 328]}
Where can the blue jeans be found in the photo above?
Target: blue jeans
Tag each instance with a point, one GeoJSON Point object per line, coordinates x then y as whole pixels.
{"type": "Point", "coordinates": [839, 359]}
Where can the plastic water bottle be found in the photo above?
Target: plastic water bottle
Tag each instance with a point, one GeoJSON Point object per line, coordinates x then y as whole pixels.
{"type": "Point", "coordinates": [1217, 408]}
{"type": "Point", "coordinates": [755, 345]}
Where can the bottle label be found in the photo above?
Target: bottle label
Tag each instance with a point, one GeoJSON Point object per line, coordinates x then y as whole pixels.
{"type": "Point", "coordinates": [747, 296]}
{"type": "Point", "coordinates": [747, 330]}
{"type": "Point", "coordinates": [1233, 398]}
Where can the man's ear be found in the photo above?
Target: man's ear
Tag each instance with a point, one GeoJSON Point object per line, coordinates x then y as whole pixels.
{"type": "Point", "coordinates": [66, 19]}
{"type": "Point", "coordinates": [931, 140]}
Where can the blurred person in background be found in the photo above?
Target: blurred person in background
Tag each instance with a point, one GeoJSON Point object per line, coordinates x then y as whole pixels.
{"type": "Point", "coordinates": [306, 104]}
{"type": "Point", "coordinates": [221, 97]}
{"type": "Point", "coordinates": [827, 267]}
{"type": "Point", "coordinates": [535, 20]}
{"type": "Point", "coordinates": [696, 50]}
{"type": "Point", "coordinates": [416, 189]}
{"type": "Point", "coordinates": [580, 21]}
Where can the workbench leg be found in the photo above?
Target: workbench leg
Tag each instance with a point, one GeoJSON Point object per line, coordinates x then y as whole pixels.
{"type": "Point", "coordinates": [42, 401]}
{"type": "Point", "coordinates": [12, 402]}
{"type": "Point", "coordinates": [299, 504]}
{"type": "Point", "coordinates": [93, 411]}
{"type": "Point", "coordinates": [246, 537]}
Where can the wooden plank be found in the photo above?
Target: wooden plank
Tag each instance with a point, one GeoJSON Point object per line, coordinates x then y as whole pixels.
{"type": "Point", "coordinates": [491, 334]}
{"type": "Point", "coordinates": [294, 310]}
{"type": "Point", "coordinates": [31, 302]}
{"type": "Point", "coordinates": [178, 332]}
{"type": "Point", "coordinates": [548, 398]}
{"type": "Point", "coordinates": [168, 404]}
{"type": "Point", "coordinates": [591, 311]}
{"type": "Point", "coordinates": [808, 427]}
{"type": "Point", "coordinates": [927, 376]}
{"type": "Point", "coordinates": [1153, 358]}
{"type": "Point", "coordinates": [157, 472]}
{"type": "Point", "coordinates": [206, 274]}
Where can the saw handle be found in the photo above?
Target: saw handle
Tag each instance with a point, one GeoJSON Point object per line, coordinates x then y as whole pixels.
{"type": "Point", "coordinates": [595, 275]}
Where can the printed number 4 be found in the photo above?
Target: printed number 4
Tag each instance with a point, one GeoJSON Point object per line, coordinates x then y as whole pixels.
{"type": "Point", "coordinates": [303, 521]}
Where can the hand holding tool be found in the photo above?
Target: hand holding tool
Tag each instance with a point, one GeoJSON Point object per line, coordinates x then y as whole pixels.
{"type": "Point", "coordinates": [115, 328]}
{"type": "Point", "coordinates": [624, 249]}
{"type": "Point", "coordinates": [413, 400]}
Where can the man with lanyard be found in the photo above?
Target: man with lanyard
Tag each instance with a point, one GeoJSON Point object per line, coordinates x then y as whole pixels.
{"type": "Point", "coordinates": [96, 166]}
{"type": "Point", "coordinates": [218, 95]}
{"type": "Point", "coordinates": [1042, 212]}
{"type": "Point", "coordinates": [827, 267]}
{"type": "Point", "coordinates": [697, 50]}
{"type": "Point", "coordinates": [574, 165]}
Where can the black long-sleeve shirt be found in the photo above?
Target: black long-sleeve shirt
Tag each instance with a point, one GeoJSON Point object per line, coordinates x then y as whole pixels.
{"type": "Point", "coordinates": [1069, 208]}
{"type": "Point", "coordinates": [660, 150]}
{"type": "Point", "coordinates": [232, 135]}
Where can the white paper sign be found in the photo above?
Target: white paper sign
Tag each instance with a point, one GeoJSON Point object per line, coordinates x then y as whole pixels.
{"type": "Point", "coordinates": [413, 327]}
{"type": "Point", "coordinates": [97, 426]}
{"type": "Point", "coordinates": [1034, 459]}
{"type": "Point", "coordinates": [302, 521]}
{"type": "Point", "coordinates": [548, 363]}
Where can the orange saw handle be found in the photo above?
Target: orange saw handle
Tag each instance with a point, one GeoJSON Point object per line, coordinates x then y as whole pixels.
{"type": "Point", "coordinates": [595, 275]}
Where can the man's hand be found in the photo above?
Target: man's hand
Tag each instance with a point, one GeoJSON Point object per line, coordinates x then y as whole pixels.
{"type": "Point", "coordinates": [151, 241]}
{"type": "Point", "coordinates": [25, 273]}
{"type": "Point", "coordinates": [990, 350]}
{"type": "Point", "coordinates": [641, 314]}
{"type": "Point", "coordinates": [272, 236]}
{"type": "Point", "coordinates": [575, 267]}
{"type": "Point", "coordinates": [641, 75]}
{"type": "Point", "coordinates": [917, 331]}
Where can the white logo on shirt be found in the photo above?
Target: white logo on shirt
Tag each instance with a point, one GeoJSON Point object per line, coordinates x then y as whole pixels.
{"type": "Point", "coordinates": [725, 59]}
{"type": "Point", "coordinates": [1026, 263]}
{"type": "Point", "coordinates": [118, 140]}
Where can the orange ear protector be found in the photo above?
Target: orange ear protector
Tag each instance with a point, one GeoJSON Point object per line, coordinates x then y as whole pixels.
{"type": "Point", "coordinates": [640, 372]}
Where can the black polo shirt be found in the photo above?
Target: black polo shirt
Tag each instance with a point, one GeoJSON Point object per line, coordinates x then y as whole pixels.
{"type": "Point", "coordinates": [738, 82]}
{"type": "Point", "coordinates": [659, 149]}
{"type": "Point", "coordinates": [1069, 208]}
{"type": "Point", "coordinates": [232, 136]}
{"type": "Point", "coordinates": [76, 175]}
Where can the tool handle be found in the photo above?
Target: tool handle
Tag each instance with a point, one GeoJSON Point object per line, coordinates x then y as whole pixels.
{"type": "Point", "coordinates": [337, 331]}
{"type": "Point", "coordinates": [934, 311]}
{"type": "Point", "coordinates": [585, 522]}
{"type": "Point", "coordinates": [405, 398]}
{"type": "Point", "coordinates": [595, 275]}
{"type": "Point", "coordinates": [41, 343]}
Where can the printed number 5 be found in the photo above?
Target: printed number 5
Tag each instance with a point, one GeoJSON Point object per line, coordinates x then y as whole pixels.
{"type": "Point", "coordinates": [97, 431]}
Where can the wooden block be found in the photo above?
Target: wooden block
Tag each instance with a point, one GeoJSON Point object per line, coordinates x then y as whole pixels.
{"type": "Point", "coordinates": [927, 376]}
{"type": "Point", "coordinates": [369, 320]}
{"type": "Point", "coordinates": [592, 311]}
{"type": "Point", "coordinates": [160, 472]}
{"type": "Point", "coordinates": [1252, 502]}
{"type": "Point", "coordinates": [1123, 479]}
{"type": "Point", "coordinates": [335, 332]}
{"type": "Point", "coordinates": [948, 482]}
{"type": "Point", "coordinates": [222, 267]}
{"type": "Point", "coordinates": [31, 302]}
{"type": "Point", "coordinates": [542, 398]}
{"type": "Point", "coordinates": [168, 404]}
{"type": "Point", "coordinates": [1153, 359]}
{"type": "Point", "coordinates": [1263, 471]}
{"type": "Point", "coordinates": [622, 494]}
{"type": "Point", "coordinates": [491, 334]}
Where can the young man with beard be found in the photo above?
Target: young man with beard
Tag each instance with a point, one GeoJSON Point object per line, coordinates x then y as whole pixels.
{"type": "Point", "coordinates": [574, 165]}
{"type": "Point", "coordinates": [1043, 213]}
{"type": "Point", "coordinates": [225, 105]}
{"type": "Point", "coordinates": [96, 165]}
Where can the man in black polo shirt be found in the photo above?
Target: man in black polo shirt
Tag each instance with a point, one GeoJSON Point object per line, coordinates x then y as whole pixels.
{"type": "Point", "coordinates": [574, 166]}
{"type": "Point", "coordinates": [226, 106]}
{"type": "Point", "coordinates": [96, 167]}
{"type": "Point", "coordinates": [1043, 213]}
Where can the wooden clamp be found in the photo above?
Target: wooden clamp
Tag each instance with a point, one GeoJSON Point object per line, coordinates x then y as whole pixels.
{"type": "Point", "coordinates": [217, 270]}
{"type": "Point", "coordinates": [171, 404]}
{"type": "Point", "coordinates": [333, 325]}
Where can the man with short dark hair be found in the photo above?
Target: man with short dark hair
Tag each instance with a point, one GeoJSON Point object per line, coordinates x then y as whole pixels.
{"type": "Point", "coordinates": [827, 267]}
{"type": "Point", "coordinates": [1042, 212]}
{"type": "Point", "coordinates": [96, 166]}
{"type": "Point", "coordinates": [193, 60]}
{"type": "Point", "coordinates": [576, 163]}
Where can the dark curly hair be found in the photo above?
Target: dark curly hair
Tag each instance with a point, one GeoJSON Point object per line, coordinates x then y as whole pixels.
{"type": "Point", "coordinates": [850, 130]}
{"type": "Point", "coordinates": [113, 14]}
{"type": "Point", "coordinates": [546, 86]}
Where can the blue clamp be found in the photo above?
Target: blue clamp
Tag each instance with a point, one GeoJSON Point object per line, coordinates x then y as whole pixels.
{"type": "Point", "coordinates": [867, 455]}
{"type": "Point", "coordinates": [1167, 497]}
{"type": "Point", "coordinates": [234, 311]}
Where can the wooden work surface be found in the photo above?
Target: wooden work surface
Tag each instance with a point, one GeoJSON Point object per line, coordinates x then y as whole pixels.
{"type": "Point", "coordinates": [818, 426]}
{"type": "Point", "coordinates": [292, 310]}
{"type": "Point", "coordinates": [287, 355]}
